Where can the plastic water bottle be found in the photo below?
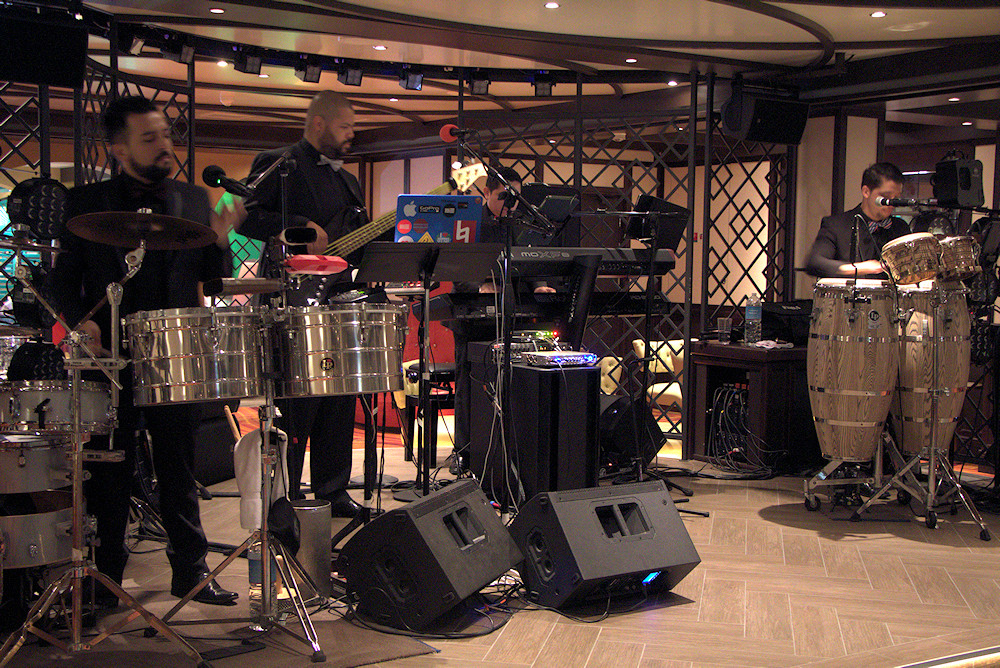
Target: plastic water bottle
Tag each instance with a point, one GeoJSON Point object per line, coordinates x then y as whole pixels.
{"type": "Point", "coordinates": [751, 324]}
{"type": "Point", "coordinates": [256, 578]}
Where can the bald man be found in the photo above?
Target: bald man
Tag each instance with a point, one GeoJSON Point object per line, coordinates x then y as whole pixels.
{"type": "Point", "coordinates": [322, 196]}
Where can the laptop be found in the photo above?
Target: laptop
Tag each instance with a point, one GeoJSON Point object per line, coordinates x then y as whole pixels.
{"type": "Point", "coordinates": [438, 218]}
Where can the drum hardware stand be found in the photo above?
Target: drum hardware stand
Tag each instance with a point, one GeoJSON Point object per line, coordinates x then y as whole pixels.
{"type": "Point", "coordinates": [937, 459]}
{"type": "Point", "coordinates": [72, 579]}
{"type": "Point", "coordinates": [269, 547]}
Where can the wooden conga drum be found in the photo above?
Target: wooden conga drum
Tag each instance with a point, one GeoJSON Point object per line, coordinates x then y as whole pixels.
{"type": "Point", "coordinates": [916, 362]}
{"type": "Point", "coordinates": [852, 360]}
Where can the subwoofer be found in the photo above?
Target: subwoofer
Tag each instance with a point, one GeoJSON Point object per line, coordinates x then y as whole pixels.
{"type": "Point", "coordinates": [415, 563]}
{"type": "Point", "coordinates": [617, 433]}
{"type": "Point", "coordinates": [594, 544]}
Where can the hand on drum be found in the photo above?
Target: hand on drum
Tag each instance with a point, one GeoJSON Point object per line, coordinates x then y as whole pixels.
{"type": "Point", "coordinates": [865, 268]}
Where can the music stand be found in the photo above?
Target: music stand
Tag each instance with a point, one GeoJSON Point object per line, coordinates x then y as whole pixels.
{"type": "Point", "coordinates": [396, 262]}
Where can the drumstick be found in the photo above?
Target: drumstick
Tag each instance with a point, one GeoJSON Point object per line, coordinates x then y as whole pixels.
{"type": "Point", "coordinates": [232, 422]}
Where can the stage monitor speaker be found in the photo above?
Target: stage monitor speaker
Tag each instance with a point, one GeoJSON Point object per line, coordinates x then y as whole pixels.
{"type": "Point", "coordinates": [415, 563]}
{"type": "Point", "coordinates": [617, 433]}
{"type": "Point", "coordinates": [767, 120]}
{"type": "Point", "coordinates": [592, 544]}
{"type": "Point", "coordinates": [52, 53]}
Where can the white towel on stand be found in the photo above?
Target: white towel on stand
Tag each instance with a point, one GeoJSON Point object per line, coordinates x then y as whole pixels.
{"type": "Point", "coordinates": [246, 460]}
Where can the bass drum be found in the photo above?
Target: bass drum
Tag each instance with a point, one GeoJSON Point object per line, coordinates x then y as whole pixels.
{"type": "Point", "coordinates": [340, 349]}
{"type": "Point", "coordinates": [918, 331]}
{"type": "Point", "coordinates": [852, 360]}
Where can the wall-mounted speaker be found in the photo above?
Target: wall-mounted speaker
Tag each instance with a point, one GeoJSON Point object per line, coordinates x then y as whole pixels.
{"type": "Point", "coordinates": [773, 121]}
{"type": "Point", "coordinates": [592, 544]}
{"type": "Point", "coordinates": [415, 563]}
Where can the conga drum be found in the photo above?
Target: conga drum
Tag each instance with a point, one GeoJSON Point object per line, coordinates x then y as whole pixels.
{"type": "Point", "coordinates": [918, 329]}
{"type": "Point", "coordinates": [852, 361]}
{"type": "Point", "coordinates": [912, 258]}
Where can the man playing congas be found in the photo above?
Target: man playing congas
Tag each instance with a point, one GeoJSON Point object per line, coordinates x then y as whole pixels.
{"type": "Point", "coordinates": [831, 256]}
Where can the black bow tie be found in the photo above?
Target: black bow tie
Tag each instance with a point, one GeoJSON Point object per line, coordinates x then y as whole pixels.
{"type": "Point", "coordinates": [139, 190]}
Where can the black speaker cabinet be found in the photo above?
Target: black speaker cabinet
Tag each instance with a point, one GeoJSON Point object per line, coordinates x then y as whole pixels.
{"type": "Point", "coordinates": [554, 445]}
{"type": "Point", "coordinates": [415, 563]}
{"type": "Point", "coordinates": [48, 51]}
{"type": "Point", "coordinates": [617, 433]}
{"type": "Point", "coordinates": [591, 544]}
{"type": "Point", "coordinates": [772, 121]}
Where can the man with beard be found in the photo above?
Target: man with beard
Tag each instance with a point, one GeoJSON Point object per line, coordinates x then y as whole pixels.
{"type": "Point", "coordinates": [326, 198]}
{"type": "Point", "coordinates": [139, 140]}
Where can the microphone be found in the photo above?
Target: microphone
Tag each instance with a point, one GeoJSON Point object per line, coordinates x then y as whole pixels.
{"type": "Point", "coordinates": [215, 177]}
{"type": "Point", "coordinates": [896, 201]}
{"type": "Point", "coordinates": [451, 132]}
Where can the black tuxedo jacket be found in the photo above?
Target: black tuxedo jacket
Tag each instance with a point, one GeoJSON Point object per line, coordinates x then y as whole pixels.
{"type": "Point", "coordinates": [84, 269]}
{"type": "Point", "coordinates": [832, 246]}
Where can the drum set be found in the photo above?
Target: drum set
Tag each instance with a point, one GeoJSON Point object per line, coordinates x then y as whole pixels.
{"type": "Point", "coordinates": [898, 347]}
{"type": "Point", "coordinates": [178, 356]}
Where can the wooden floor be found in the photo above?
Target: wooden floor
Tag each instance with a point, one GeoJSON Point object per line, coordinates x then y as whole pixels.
{"type": "Point", "coordinates": [777, 586]}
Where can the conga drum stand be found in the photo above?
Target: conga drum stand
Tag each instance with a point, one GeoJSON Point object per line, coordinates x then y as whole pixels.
{"type": "Point", "coordinates": [939, 471]}
{"type": "Point", "coordinates": [81, 568]}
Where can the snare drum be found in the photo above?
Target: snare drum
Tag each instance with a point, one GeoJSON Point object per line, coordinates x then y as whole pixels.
{"type": "Point", "coordinates": [852, 360]}
{"type": "Point", "coordinates": [195, 354]}
{"type": "Point", "coordinates": [32, 464]}
{"type": "Point", "coordinates": [959, 258]}
{"type": "Point", "coordinates": [912, 258]}
{"type": "Point", "coordinates": [341, 349]}
{"type": "Point", "coordinates": [45, 407]}
{"type": "Point", "coordinates": [916, 362]}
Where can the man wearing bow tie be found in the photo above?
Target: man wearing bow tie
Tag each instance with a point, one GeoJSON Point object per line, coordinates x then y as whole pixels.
{"type": "Point", "coordinates": [138, 138]}
{"type": "Point", "coordinates": [830, 256]}
{"type": "Point", "coordinates": [323, 196]}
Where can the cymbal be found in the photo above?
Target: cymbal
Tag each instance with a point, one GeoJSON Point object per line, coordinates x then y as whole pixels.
{"type": "Point", "coordinates": [129, 228]}
{"type": "Point", "coordinates": [22, 244]}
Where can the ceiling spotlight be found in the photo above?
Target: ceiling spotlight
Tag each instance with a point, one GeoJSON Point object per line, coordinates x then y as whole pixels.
{"type": "Point", "coordinates": [954, 99]}
{"type": "Point", "coordinates": [247, 61]}
{"type": "Point", "coordinates": [479, 83]}
{"type": "Point", "coordinates": [631, 60]}
{"type": "Point", "coordinates": [217, 10]}
{"type": "Point", "coordinates": [967, 123]}
{"type": "Point", "coordinates": [222, 63]}
{"type": "Point", "coordinates": [411, 78]}
{"type": "Point", "coordinates": [350, 74]}
{"type": "Point", "coordinates": [879, 14]}
{"type": "Point", "coordinates": [179, 51]}
{"type": "Point", "coordinates": [551, 5]}
{"type": "Point", "coordinates": [263, 76]}
{"type": "Point", "coordinates": [672, 83]}
{"type": "Point", "coordinates": [394, 99]}
{"type": "Point", "coordinates": [308, 70]}
{"type": "Point", "coordinates": [543, 84]}
{"type": "Point", "coordinates": [379, 47]}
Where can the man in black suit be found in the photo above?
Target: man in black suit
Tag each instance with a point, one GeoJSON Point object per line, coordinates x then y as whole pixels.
{"type": "Point", "coordinates": [830, 256]}
{"type": "Point", "coordinates": [326, 198]}
{"type": "Point", "coordinates": [139, 140]}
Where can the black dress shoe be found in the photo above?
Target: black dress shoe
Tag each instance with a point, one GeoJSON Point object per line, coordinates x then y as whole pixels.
{"type": "Point", "coordinates": [342, 505]}
{"type": "Point", "coordinates": [212, 593]}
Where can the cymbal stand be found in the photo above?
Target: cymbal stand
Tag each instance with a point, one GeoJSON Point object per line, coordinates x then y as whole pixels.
{"type": "Point", "coordinates": [269, 548]}
{"type": "Point", "coordinates": [72, 579]}
{"type": "Point", "coordinates": [939, 471]}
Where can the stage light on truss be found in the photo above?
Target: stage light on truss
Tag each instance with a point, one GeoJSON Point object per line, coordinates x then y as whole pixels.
{"type": "Point", "coordinates": [179, 51]}
{"type": "Point", "coordinates": [411, 78]}
{"type": "Point", "coordinates": [308, 70]}
{"type": "Point", "coordinates": [247, 61]}
{"type": "Point", "coordinates": [479, 83]}
{"type": "Point", "coordinates": [350, 74]}
{"type": "Point", "coordinates": [130, 41]}
{"type": "Point", "coordinates": [543, 84]}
